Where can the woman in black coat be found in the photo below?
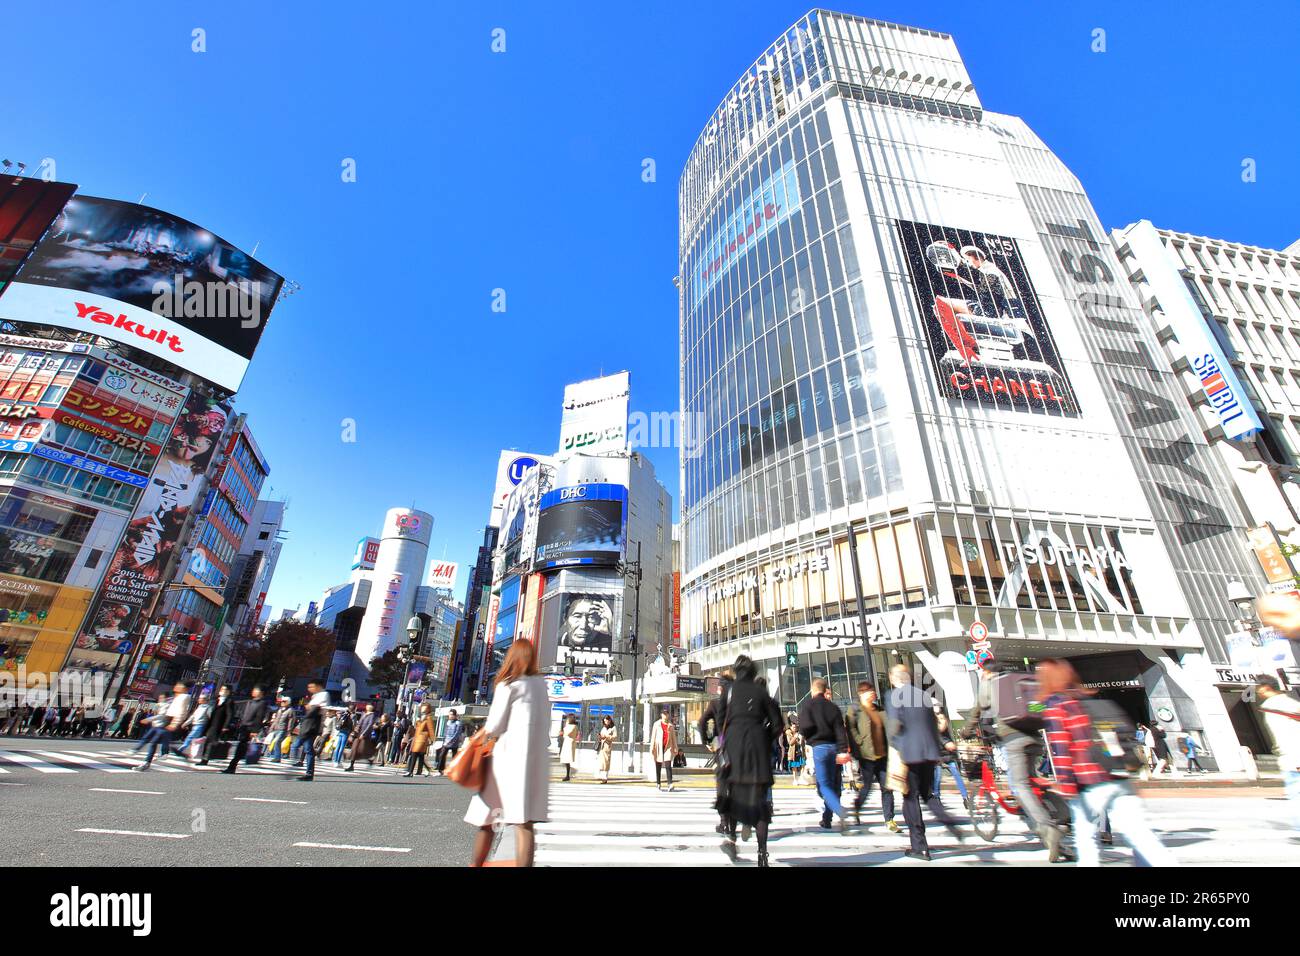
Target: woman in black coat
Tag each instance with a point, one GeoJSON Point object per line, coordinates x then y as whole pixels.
{"type": "Point", "coordinates": [751, 723]}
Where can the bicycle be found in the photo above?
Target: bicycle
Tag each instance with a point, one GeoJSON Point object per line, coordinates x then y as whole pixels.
{"type": "Point", "coordinates": [990, 796]}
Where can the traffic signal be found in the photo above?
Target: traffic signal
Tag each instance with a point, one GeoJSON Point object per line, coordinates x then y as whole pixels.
{"type": "Point", "coordinates": [791, 653]}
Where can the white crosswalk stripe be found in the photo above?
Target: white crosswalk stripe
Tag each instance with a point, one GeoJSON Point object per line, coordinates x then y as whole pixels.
{"type": "Point", "coordinates": [632, 825]}
{"type": "Point", "coordinates": [125, 760]}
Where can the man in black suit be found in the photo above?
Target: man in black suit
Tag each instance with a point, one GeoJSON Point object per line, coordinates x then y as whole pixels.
{"type": "Point", "coordinates": [250, 725]}
{"type": "Point", "coordinates": [223, 716]}
{"type": "Point", "coordinates": [914, 733]}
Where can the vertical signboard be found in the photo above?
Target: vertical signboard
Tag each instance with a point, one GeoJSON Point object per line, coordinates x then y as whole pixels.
{"type": "Point", "coordinates": [136, 570]}
{"type": "Point", "coordinates": [1227, 396]}
{"type": "Point", "coordinates": [1268, 549]}
{"type": "Point", "coordinates": [1182, 478]}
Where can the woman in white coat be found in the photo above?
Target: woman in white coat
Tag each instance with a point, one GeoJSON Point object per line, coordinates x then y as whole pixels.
{"type": "Point", "coordinates": [519, 769]}
{"type": "Point", "coordinates": [569, 746]}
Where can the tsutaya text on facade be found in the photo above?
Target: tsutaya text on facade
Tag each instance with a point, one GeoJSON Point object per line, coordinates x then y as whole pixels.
{"type": "Point", "coordinates": [1050, 555]}
{"type": "Point", "coordinates": [805, 564]}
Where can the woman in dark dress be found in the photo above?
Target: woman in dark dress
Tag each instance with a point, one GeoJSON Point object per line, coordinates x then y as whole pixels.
{"type": "Point", "coordinates": [751, 723]}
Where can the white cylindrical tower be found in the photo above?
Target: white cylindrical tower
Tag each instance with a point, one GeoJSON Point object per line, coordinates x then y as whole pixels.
{"type": "Point", "coordinates": [399, 567]}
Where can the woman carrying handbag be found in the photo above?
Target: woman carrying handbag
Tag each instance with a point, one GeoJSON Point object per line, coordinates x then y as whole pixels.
{"type": "Point", "coordinates": [518, 773]}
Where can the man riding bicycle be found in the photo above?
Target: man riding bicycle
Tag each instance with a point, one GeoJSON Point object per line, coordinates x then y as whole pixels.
{"type": "Point", "coordinates": [1023, 750]}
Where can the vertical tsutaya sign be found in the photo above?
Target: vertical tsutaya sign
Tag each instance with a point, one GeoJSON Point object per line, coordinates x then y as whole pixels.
{"type": "Point", "coordinates": [135, 573]}
{"type": "Point", "coordinates": [595, 416]}
{"type": "Point", "coordinates": [988, 340]}
{"type": "Point", "coordinates": [1182, 478]}
{"type": "Point", "coordinates": [1227, 396]}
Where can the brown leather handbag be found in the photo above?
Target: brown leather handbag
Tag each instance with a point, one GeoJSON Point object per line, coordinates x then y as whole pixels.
{"type": "Point", "coordinates": [470, 767]}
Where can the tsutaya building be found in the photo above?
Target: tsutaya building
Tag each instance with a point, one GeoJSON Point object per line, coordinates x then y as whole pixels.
{"type": "Point", "coordinates": [926, 378]}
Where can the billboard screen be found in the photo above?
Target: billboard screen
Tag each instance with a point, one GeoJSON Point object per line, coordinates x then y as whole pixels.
{"type": "Point", "coordinates": [150, 280]}
{"type": "Point", "coordinates": [988, 340]}
{"type": "Point", "coordinates": [595, 415]}
{"type": "Point", "coordinates": [588, 627]}
{"type": "Point", "coordinates": [27, 207]}
{"type": "Point", "coordinates": [582, 525]}
{"type": "Point", "coordinates": [135, 573]}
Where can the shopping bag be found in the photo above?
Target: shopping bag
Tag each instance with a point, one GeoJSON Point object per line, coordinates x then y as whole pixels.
{"type": "Point", "coordinates": [896, 773]}
{"type": "Point", "coordinates": [254, 752]}
{"type": "Point", "coordinates": [196, 749]}
{"type": "Point", "coordinates": [285, 746]}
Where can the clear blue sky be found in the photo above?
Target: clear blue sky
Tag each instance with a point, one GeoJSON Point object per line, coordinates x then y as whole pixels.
{"type": "Point", "coordinates": [522, 171]}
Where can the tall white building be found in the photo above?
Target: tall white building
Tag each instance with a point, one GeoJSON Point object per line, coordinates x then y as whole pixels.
{"type": "Point", "coordinates": [933, 404]}
{"type": "Point", "coordinates": [1209, 298]}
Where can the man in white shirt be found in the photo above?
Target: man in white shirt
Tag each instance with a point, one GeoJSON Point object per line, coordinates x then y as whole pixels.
{"type": "Point", "coordinates": [1282, 716]}
{"type": "Point", "coordinates": [168, 722]}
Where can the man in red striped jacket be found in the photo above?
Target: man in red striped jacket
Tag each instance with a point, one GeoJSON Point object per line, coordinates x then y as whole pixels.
{"type": "Point", "coordinates": [1092, 790]}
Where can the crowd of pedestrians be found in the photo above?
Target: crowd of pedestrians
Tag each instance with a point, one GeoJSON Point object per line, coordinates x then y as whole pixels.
{"type": "Point", "coordinates": [199, 726]}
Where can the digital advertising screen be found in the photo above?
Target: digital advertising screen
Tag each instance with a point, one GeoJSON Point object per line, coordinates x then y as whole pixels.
{"type": "Point", "coordinates": [582, 525]}
{"type": "Point", "coordinates": [151, 280]}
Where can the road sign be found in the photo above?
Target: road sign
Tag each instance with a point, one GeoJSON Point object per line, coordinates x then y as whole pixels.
{"type": "Point", "coordinates": [124, 647]}
{"type": "Point", "coordinates": [979, 631]}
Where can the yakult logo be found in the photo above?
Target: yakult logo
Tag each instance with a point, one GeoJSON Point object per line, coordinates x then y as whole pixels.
{"type": "Point", "coordinates": [120, 321]}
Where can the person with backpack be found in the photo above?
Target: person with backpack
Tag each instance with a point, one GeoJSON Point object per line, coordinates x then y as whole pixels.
{"type": "Point", "coordinates": [1095, 753]}
{"type": "Point", "coordinates": [1003, 713]}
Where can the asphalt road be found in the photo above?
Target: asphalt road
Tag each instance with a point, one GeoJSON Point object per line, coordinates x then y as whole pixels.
{"type": "Point", "coordinates": [199, 818]}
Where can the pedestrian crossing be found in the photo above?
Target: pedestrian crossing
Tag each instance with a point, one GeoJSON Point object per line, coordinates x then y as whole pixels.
{"type": "Point", "coordinates": [125, 760]}
{"type": "Point", "coordinates": [636, 825]}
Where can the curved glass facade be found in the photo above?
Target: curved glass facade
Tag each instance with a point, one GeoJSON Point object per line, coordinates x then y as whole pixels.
{"type": "Point", "coordinates": [777, 350]}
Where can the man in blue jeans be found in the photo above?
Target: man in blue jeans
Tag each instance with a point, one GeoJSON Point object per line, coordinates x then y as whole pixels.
{"type": "Point", "coordinates": [822, 726]}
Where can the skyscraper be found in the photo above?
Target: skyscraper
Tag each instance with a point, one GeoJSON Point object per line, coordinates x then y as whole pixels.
{"type": "Point", "coordinates": [933, 423]}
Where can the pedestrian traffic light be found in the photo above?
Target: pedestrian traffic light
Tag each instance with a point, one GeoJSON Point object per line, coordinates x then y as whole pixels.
{"type": "Point", "coordinates": [791, 653]}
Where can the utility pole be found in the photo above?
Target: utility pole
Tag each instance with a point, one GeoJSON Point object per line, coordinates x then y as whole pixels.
{"type": "Point", "coordinates": [635, 569]}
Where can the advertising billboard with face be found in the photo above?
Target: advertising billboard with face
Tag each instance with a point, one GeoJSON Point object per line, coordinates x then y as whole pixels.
{"type": "Point", "coordinates": [582, 525]}
{"type": "Point", "coordinates": [27, 207]}
{"type": "Point", "coordinates": [135, 573]}
{"type": "Point", "coordinates": [588, 626]}
{"type": "Point", "coordinates": [983, 322]}
{"type": "Point", "coordinates": [595, 415]}
{"type": "Point", "coordinates": [150, 280]}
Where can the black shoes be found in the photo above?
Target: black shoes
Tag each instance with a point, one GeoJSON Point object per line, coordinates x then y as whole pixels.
{"type": "Point", "coordinates": [918, 855]}
{"type": "Point", "coordinates": [305, 777]}
{"type": "Point", "coordinates": [762, 858]}
{"type": "Point", "coordinates": [227, 770]}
